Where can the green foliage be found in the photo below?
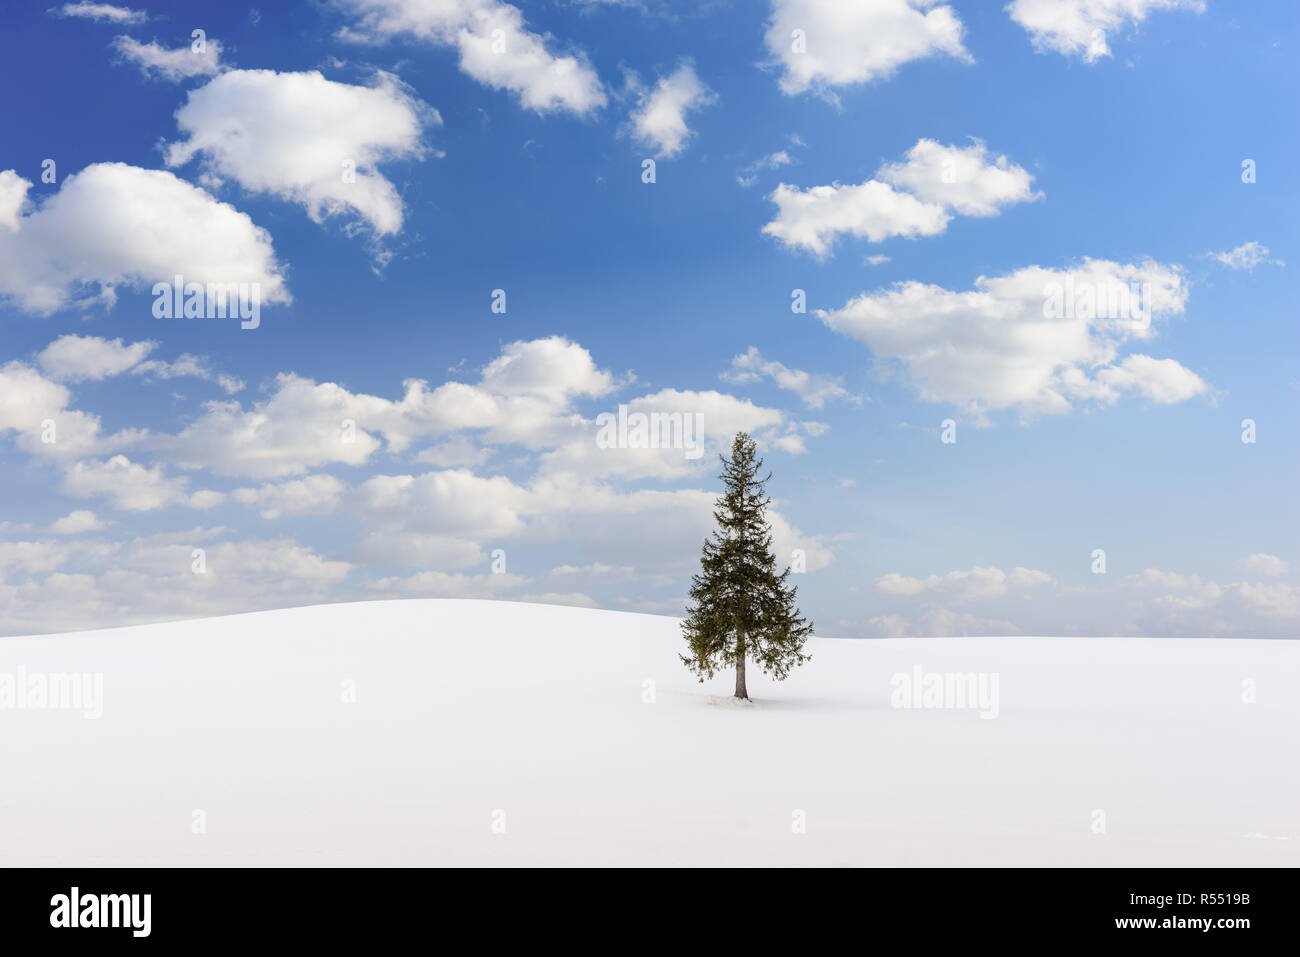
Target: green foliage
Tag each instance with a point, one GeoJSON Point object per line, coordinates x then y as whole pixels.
{"type": "Point", "coordinates": [740, 607]}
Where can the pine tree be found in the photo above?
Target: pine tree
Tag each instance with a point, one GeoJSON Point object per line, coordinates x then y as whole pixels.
{"type": "Point", "coordinates": [740, 607]}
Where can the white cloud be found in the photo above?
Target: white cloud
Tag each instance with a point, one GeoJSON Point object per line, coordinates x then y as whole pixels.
{"type": "Point", "coordinates": [130, 486]}
{"type": "Point", "coordinates": [306, 139]}
{"type": "Point", "coordinates": [101, 12]}
{"type": "Point", "coordinates": [1246, 256]}
{"type": "Point", "coordinates": [31, 558]}
{"type": "Point", "coordinates": [917, 197]}
{"type": "Point", "coordinates": [596, 572]}
{"type": "Point", "coordinates": [747, 177]}
{"type": "Point", "coordinates": [523, 396]}
{"type": "Point", "coordinates": [435, 584]}
{"type": "Point", "coordinates": [38, 409]}
{"type": "Point", "coordinates": [453, 502]}
{"type": "Point", "coordinates": [112, 224]}
{"type": "Point", "coordinates": [496, 48]}
{"type": "Point", "coordinates": [813, 218]}
{"type": "Point", "coordinates": [391, 544]}
{"type": "Point", "coordinates": [1210, 609]}
{"type": "Point", "coordinates": [313, 495]}
{"type": "Point", "coordinates": [205, 499]}
{"type": "Point", "coordinates": [659, 119]}
{"type": "Point", "coordinates": [815, 390]}
{"type": "Point", "coordinates": [1163, 381]}
{"type": "Point", "coordinates": [300, 427]}
{"type": "Point", "coordinates": [427, 533]}
{"type": "Point", "coordinates": [1036, 339]}
{"type": "Point", "coordinates": [13, 196]}
{"type": "Point", "coordinates": [1155, 578]}
{"type": "Point", "coordinates": [939, 622]}
{"type": "Point", "coordinates": [720, 416]}
{"type": "Point", "coordinates": [552, 369]}
{"type": "Point", "coordinates": [457, 450]}
{"type": "Point", "coordinates": [171, 65]}
{"type": "Point", "coordinates": [966, 180]}
{"type": "Point", "coordinates": [1262, 564]}
{"type": "Point", "coordinates": [1187, 605]}
{"type": "Point", "coordinates": [71, 357]}
{"type": "Point", "coordinates": [152, 579]}
{"type": "Point", "coordinates": [187, 364]}
{"type": "Point", "coordinates": [1080, 27]}
{"type": "Point", "coordinates": [854, 42]}
{"type": "Point", "coordinates": [575, 599]}
{"type": "Point", "coordinates": [962, 586]}
{"type": "Point", "coordinates": [649, 530]}
{"type": "Point", "coordinates": [76, 522]}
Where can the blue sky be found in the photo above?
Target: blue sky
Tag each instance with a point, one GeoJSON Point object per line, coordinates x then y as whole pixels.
{"type": "Point", "coordinates": [908, 151]}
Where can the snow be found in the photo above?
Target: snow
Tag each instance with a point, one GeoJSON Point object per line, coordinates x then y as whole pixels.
{"type": "Point", "coordinates": [500, 733]}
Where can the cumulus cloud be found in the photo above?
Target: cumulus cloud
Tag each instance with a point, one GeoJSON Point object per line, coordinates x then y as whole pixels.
{"type": "Point", "coordinates": [650, 530]}
{"type": "Point", "coordinates": [574, 599]}
{"type": "Point", "coordinates": [939, 622]}
{"type": "Point", "coordinates": [173, 66]}
{"type": "Point", "coordinates": [709, 418]}
{"type": "Point", "coordinates": [306, 139]}
{"type": "Point", "coordinates": [1080, 27]}
{"type": "Point", "coordinates": [39, 411]}
{"type": "Point", "coordinates": [190, 365]}
{"type": "Point", "coordinates": [313, 495]}
{"type": "Point", "coordinates": [1163, 381]}
{"type": "Point", "coordinates": [32, 558]}
{"type": "Point", "coordinates": [457, 450]}
{"type": "Point", "coordinates": [152, 579]}
{"type": "Point", "coordinates": [962, 586]}
{"type": "Point", "coordinates": [968, 180]}
{"type": "Point", "coordinates": [77, 522]}
{"type": "Point", "coordinates": [435, 584]}
{"type": "Point", "coordinates": [112, 224]}
{"type": "Point", "coordinates": [1263, 564]}
{"type": "Point", "coordinates": [1185, 605]}
{"type": "Point", "coordinates": [916, 197]}
{"type": "Point", "coordinates": [553, 369]}
{"type": "Point", "coordinates": [453, 502]}
{"type": "Point", "coordinates": [595, 572]}
{"type": "Point", "coordinates": [821, 44]}
{"type": "Point", "coordinates": [130, 486]}
{"type": "Point", "coordinates": [72, 358]}
{"type": "Point", "coordinates": [1037, 340]}
{"type": "Point", "coordinates": [523, 396]}
{"type": "Point", "coordinates": [813, 218]}
{"type": "Point", "coordinates": [496, 48]}
{"type": "Point", "coordinates": [13, 196]}
{"type": "Point", "coordinates": [1154, 577]}
{"type": "Point", "coordinates": [391, 544]}
{"type": "Point", "coordinates": [815, 390]}
{"type": "Point", "coordinates": [416, 532]}
{"type": "Point", "coordinates": [659, 119]}
{"type": "Point", "coordinates": [1246, 256]}
{"type": "Point", "coordinates": [101, 13]}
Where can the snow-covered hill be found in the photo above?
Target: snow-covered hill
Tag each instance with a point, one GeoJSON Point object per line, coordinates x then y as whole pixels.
{"type": "Point", "coordinates": [504, 733]}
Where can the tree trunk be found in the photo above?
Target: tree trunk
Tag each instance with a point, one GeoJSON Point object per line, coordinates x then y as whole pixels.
{"type": "Point", "coordinates": [741, 691]}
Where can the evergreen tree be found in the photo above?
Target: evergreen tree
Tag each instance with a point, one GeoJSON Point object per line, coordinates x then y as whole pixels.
{"type": "Point", "coordinates": [740, 607]}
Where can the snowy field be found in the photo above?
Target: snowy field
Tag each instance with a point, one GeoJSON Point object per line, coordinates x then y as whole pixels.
{"type": "Point", "coordinates": [497, 733]}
